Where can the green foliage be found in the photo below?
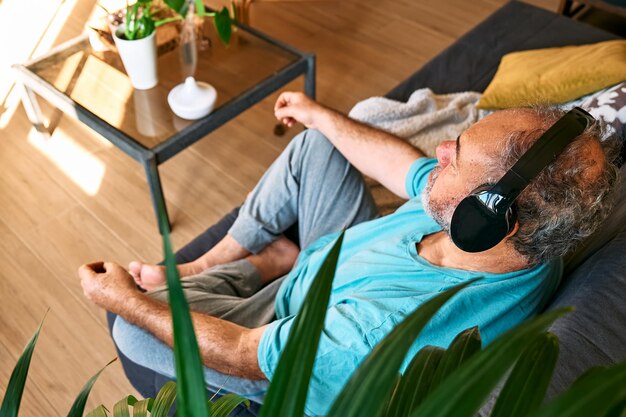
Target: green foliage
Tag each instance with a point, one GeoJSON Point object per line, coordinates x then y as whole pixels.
{"type": "Point", "coordinates": [79, 404]}
{"type": "Point", "coordinates": [162, 405]}
{"type": "Point", "coordinates": [526, 386]}
{"type": "Point", "coordinates": [429, 368]}
{"type": "Point", "coordinates": [226, 404]}
{"type": "Point", "coordinates": [141, 24]}
{"type": "Point", "coordinates": [463, 347]}
{"type": "Point", "coordinates": [15, 389]}
{"type": "Point", "coordinates": [192, 395]}
{"type": "Point", "coordinates": [223, 25]}
{"type": "Point", "coordinates": [466, 388]}
{"type": "Point", "coordinates": [99, 411]}
{"type": "Point", "coordinates": [286, 395]}
{"type": "Point", "coordinates": [373, 381]}
{"type": "Point", "coordinates": [143, 407]}
{"type": "Point", "coordinates": [416, 382]}
{"type": "Point", "coordinates": [595, 394]}
{"type": "Point", "coordinates": [164, 400]}
{"type": "Point", "coordinates": [179, 6]}
{"type": "Point", "coordinates": [120, 409]}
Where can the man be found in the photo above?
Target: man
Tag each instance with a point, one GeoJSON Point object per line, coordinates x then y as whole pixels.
{"type": "Point", "coordinates": [245, 304]}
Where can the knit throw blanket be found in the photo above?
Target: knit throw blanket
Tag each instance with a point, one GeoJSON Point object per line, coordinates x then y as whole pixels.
{"type": "Point", "coordinates": [425, 120]}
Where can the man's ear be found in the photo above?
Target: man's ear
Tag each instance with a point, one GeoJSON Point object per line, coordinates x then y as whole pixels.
{"type": "Point", "coordinates": [513, 231]}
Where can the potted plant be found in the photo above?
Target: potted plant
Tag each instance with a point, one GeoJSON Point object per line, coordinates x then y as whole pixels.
{"type": "Point", "coordinates": [135, 39]}
{"type": "Point", "coordinates": [136, 43]}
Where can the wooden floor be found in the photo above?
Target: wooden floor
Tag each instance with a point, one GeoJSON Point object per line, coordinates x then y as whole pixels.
{"type": "Point", "coordinates": [76, 199]}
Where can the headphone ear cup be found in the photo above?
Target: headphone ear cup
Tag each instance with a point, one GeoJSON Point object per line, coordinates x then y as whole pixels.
{"type": "Point", "coordinates": [476, 228]}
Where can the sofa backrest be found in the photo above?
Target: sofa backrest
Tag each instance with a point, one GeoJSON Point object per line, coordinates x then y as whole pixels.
{"type": "Point", "coordinates": [595, 285]}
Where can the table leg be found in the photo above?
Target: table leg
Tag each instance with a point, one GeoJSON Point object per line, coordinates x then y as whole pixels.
{"type": "Point", "coordinates": [309, 78]}
{"type": "Point", "coordinates": [156, 192]}
{"type": "Point", "coordinates": [33, 111]}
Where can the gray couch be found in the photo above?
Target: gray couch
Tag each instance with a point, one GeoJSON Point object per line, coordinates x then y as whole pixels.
{"type": "Point", "coordinates": [595, 280]}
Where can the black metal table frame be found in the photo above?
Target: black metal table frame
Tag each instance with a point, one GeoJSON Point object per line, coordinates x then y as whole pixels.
{"type": "Point", "coordinates": [150, 158]}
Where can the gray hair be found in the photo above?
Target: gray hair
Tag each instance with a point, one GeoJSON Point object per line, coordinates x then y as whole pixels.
{"type": "Point", "coordinates": [569, 199]}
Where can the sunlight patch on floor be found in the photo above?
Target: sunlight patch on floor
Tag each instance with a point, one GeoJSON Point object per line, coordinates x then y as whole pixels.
{"type": "Point", "coordinates": [79, 165]}
{"type": "Point", "coordinates": [45, 21]}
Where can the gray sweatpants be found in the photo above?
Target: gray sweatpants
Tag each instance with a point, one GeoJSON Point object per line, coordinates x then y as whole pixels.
{"type": "Point", "coordinates": [310, 184]}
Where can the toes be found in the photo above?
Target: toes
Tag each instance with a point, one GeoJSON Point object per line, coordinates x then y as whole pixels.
{"type": "Point", "coordinates": [134, 269]}
{"type": "Point", "coordinates": [149, 270]}
{"type": "Point", "coordinates": [152, 275]}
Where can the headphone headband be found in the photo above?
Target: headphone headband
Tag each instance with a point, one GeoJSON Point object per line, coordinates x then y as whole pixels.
{"type": "Point", "coordinates": [545, 150]}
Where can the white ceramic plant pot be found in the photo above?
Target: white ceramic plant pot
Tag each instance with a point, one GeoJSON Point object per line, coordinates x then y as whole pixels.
{"type": "Point", "coordinates": [139, 58]}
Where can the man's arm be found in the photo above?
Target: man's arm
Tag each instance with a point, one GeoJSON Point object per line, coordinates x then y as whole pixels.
{"type": "Point", "coordinates": [224, 346]}
{"type": "Point", "coordinates": [375, 153]}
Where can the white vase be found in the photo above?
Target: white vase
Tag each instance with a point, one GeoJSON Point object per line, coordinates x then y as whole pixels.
{"type": "Point", "coordinates": [140, 59]}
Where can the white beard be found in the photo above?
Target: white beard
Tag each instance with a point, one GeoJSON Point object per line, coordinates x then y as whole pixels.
{"type": "Point", "coordinates": [441, 213]}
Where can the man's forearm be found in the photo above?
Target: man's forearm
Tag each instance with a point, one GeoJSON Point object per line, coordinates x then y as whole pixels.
{"type": "Point", "coordinates": [224, 346]}
{"type": "Point", "coordinates": [375, 153]}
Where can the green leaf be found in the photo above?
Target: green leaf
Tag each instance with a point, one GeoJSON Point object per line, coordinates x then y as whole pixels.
{"type": "Point", "coordinates": [141, 408]}
{"type": "Point", "coordinates": [526, 387]}
{"type": "Point", "coordinates": [225, 405]}
{"type": "Point", "coordinates": [179, 6]}
{"type": "Point", "coordinates": [99, 411]}
{"type": "Point", "coordinates": [167, 20]}
{"type": "Point", "coordinates": [79, 403]}
{"type": "Point", "coordinates": [466, 389]}
{"type": "Point", "coordinates": [200, 10]}
{"type": "Point", "coordinates": [391, 400]}
{"type": "Point", "coordinates": [192, 396]}
{"type": "Point", "coordinates": [371, 383]}
{"type": "Point", "coordinates": [286, 395]}
{"type": "Point", "coordinates": [15, 389]}
{"type": "Point", "coordinates": [223, 25]}
{"type": "Point", "coordinates": [463, 347]}
{"type": "Point", "coordinates": [120, 409]}
{"type": "Point", "coordinates": [164, 400]}
{"type": "Point", "coordinates": [131, 22]}
{"type": "Point", "coordinates": [619, 410]}
{"type": "Point", "coordinates": [595, 394]}
{"type": "Point", "coordinates": [416, 381]}
{"type": "Point", "coordinates": [145, 27]}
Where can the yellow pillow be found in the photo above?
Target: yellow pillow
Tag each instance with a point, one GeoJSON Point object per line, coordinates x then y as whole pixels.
{"type": "Point", "coordinates": [555, 75]}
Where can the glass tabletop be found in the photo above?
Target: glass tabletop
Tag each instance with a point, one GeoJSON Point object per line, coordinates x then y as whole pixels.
{"type": "Point", "coordinates": [97, 81]}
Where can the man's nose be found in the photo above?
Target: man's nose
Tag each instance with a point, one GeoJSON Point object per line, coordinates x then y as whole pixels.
{"type": "Point", "coordinates": [445, 152]}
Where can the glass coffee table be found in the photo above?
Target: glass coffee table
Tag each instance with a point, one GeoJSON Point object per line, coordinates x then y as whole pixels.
{"type": "Point", "coordinates": [92, 86]}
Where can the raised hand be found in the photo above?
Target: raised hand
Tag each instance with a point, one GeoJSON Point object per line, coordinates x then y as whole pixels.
{"type": "Point", "coordinates": [292, 107]}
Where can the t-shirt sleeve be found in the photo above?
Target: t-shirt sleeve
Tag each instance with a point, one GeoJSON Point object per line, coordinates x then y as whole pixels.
{"type": "Point", "coordinates": [342, 347]}
{"type": "Point", "coordinates": [417, 177]}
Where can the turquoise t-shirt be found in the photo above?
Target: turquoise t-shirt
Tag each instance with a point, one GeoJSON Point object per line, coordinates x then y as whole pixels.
{"type": "Point", "coordinates": [380, 280]}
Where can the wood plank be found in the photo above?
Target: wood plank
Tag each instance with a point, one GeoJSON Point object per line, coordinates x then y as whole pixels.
{"type": "Point", "coordinates": [73, 344]}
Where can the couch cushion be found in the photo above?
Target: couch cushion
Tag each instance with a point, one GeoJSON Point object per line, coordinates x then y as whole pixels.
{"type": "Point", "coordinates": [547, 76]}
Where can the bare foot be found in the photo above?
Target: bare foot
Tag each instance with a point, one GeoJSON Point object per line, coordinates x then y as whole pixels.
{"type": "Point", "coordinates": [149, 276]}
{"type": "Point", "coordinates": [276, 259]}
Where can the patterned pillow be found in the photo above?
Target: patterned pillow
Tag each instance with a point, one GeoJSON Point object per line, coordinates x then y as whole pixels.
{"type": "Point", "coordinates": [610, 106]}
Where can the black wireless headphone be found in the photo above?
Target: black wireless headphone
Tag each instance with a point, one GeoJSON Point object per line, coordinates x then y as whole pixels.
{"type": "Point", "coordinates": [487, 215]}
